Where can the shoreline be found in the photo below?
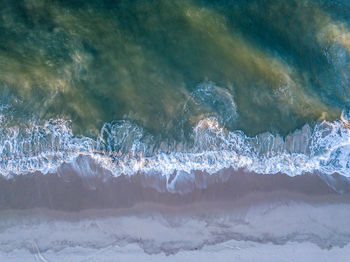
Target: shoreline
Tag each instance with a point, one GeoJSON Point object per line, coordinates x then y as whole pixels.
{"type": "Point", "coordinates": [69, 191]}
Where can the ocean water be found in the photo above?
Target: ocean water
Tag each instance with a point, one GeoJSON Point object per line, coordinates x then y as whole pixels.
{"type": "Point", "coordinates": [164, 87]}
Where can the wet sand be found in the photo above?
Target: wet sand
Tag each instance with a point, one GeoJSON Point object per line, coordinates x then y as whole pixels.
{"type": "Point", "coordinates": [70, 191]}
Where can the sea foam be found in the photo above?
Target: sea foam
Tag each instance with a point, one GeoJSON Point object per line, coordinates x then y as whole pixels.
{"type": "Point", "coordinates": [125, 148]}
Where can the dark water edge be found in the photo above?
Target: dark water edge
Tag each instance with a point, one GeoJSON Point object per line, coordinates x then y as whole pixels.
{"type": "Point", "coordinates": [70, 191]}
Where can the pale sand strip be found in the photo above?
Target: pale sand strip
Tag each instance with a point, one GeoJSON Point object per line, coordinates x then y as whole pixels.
{"type": "Point", "coordinates": [231, 251]}
{"type": "Point", "coordinates": [265, 226]}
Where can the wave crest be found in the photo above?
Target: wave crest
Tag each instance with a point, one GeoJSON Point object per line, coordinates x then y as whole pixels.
{"type": "Point", "coordinates": [125, 148]}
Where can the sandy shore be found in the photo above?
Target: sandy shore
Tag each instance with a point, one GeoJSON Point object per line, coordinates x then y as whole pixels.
{"type": "Point", "coordinates": [231, 216]}
{"type": "Point", "coordinates": [68, 190]}
{"type": "Point", "coordinates": [279, 230]}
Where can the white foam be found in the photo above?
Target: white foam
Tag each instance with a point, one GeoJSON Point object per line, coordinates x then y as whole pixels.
{"type": "Point", "coordinates": [125, 148]}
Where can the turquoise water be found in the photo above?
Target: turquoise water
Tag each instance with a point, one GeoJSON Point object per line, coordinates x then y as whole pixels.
{"type": "Point", "coordinates": [146, 78]}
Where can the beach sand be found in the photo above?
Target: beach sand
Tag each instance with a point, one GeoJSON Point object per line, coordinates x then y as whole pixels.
{"type": "Point", "coordinates": [239, 217]}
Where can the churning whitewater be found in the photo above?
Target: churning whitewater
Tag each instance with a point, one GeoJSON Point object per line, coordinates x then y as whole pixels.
{"type": "Point", "coordinates": [159, 87]}
{"type": "Point", "coordinates": [125, 148]}
{"type": "Point", "coordinates": [174, 130]}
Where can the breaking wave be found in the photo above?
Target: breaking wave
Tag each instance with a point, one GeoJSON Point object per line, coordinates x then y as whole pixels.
{"type": "Point", "coordinates": [125, 148]}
